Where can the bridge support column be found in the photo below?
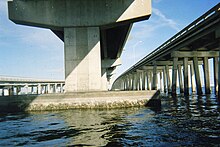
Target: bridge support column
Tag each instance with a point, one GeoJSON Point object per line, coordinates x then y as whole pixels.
{"type": "Point", "coordinates": [136, 80]}
{"type": "Point", "coordinates": [55, 88]}
{"type": "Point", "coordinates": [216, 71]}
{"type": "Point", "coordinates": [161, 81]}
{"type": "Point", "coordinates": [154, 83]}
{"type": "Point", "coordinates": [11, 90]}
{"type": "Point", "coordinates": [82, 59]}
{"type": "Point", "coordinates": [32, 89]}
{"type": "Point", "coordinates": [140, 79]}
{"type": "Point", "coordinates": [133, 81]}
{"type": "Point", "coordinates": [197, 75]}
{"type": "Point", "coordinates": [180, 78]}
{"type": "Point", "coordinates": [39, 89]}
{"type": "Point", "coordinates": [26, 89]}
{"type": "Point", "coordinates": [147, 81]}
{"type": "Point", "coordinates": [219, 76]}
{"type": "Point", "coordinates": [193, 82]}
{"type": "Point", "coordinates": [18, 90]}
{"type": "Point", "coordinates": [174, 75]}
{"type": "Point", "coordinates": [62, 88]}
{"type": "Point", "coordinates": [3, 91]}
{"type": "Point", "coordinates": [129, 82]}
{"type": "Point", "coordinates": [164, 81]}
{"type": "Point", "coordinates": [206, 75]}
{"type": "Point", "coordinates": [143, 80]}
{"type": "Point", "coordinates": [168, 78]}
{"type": "Point", "coordinates": [185, 74]}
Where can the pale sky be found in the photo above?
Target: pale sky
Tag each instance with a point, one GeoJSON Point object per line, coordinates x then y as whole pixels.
{"type": "Point", "coordinates": [38, 53]}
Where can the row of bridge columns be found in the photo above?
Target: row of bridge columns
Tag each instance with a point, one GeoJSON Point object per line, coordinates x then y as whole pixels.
{"type": "Point", "coordinates": [184, 68]}
{"type": "Point", "coordinates": [31, 89]}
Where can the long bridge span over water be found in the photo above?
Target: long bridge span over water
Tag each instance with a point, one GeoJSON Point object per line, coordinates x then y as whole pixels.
{"type": "Point", "coordinates": [21, 85]}
{"type": "Point", "coordinates": [195, 45]}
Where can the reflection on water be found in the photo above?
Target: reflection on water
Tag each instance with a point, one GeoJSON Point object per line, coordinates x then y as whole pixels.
{"type": "Point", "coordinates": [180, 122]}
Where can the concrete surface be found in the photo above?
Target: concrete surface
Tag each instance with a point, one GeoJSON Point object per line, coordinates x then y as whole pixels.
{"type": "Point", "coordinates": [113, 99]}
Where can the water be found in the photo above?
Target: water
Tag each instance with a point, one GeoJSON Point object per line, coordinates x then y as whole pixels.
{"type": "Point", "coordinates": [192, 121]}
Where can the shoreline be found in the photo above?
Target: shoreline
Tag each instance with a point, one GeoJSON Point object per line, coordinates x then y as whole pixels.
{"type": "Point", "coordinates": [80, 100]}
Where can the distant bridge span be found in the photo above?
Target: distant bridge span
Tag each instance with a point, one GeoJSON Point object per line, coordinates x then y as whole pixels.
{"type": "Point", "coordinates": [193, 45]}
{"type": "Point", "coordinates": [20, 85]}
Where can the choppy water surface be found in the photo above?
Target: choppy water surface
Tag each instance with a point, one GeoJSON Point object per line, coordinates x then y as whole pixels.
{"type": "Point", "coordinates": [180, 122]}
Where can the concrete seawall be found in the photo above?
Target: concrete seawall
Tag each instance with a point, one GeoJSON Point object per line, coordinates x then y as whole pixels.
{"type": "Point", "coordinates": [48, 102]}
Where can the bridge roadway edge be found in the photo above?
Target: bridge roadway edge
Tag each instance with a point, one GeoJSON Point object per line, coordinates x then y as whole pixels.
{"type": "Point", "coordinates": [80, 100]}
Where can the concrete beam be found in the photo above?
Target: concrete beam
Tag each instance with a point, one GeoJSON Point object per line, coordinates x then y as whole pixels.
{"type": "Point", "coordinates": [181, 54]}
{"type": "Point", "coordinates": [84, 13]}
{"type": "Point", "coordinates": [152, 67]}
{"type": "Point", "coordinates": [107, 63]}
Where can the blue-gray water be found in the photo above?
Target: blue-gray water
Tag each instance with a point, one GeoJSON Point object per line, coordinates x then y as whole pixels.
{"type": "Point", "coordinates": [193, 121]}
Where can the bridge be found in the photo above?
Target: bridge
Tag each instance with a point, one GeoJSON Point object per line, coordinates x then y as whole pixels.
{"type": "Point", "coordinates": [20, 85]}
{"type": "Point", "coordinates": [180, 58]}
{"type": "Point", "coordinates": [93, 31]}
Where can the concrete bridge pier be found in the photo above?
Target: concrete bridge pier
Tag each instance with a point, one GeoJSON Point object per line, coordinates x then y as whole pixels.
{"type": "Point", "coordinates": [192, 74]}
{"type": "Point", "coordinates": [180, 78]}
{"type": "Point", "coordinates": [216, 72]}
{"type": "Point", "coordinates": [82, 59]}
{"type": "Point", "coordinates": [11, 90]}
{"type": "Point", "coordinates": [197, 75]}
{"type": "Point", "coordinates": [18, 90]}
{"type": "Point", "coordinates": [174, 75]}
{"type": "Point", "coordinates": [39, 89]}
{"type": "Point", "coordinates": [206, 75]}
{"type": "Point", "coordinates": [3, 91]}
{"type": "Point", "coordinates": [143, 80]}
{"type": "Point", "coordinates": [164, 80]}
{"type": "Point", "coordinates": [92, 31]}
{"type": "Point", "coordinates": [154, 82]}
{"type": "Point", "coordinates": [185, 75]}
{"type": "Point", "coordinates": [219, 76]}
{"type": "Point", "coordinates": [161, 81]}
{"type": "Point", "coordinates": [148, 80]}
{"type": "Point", "coordinates": [168, 79]}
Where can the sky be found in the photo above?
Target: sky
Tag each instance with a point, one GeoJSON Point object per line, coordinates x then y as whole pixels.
{"type": "Point", "coordinates": [37, 53]}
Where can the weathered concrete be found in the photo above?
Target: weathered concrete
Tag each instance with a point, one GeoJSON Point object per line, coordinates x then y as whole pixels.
{"type": "Point", "coordinates": [186, 76]}
{"type": "Point", "coordinates": [75, 13]}
{"type": "Point", "coordinates": [174, 77]}
{"type": "Point", "coordinates": [92, 31]}
{"type": "Point", "coordinates": [82, 59]}
{"type": "Point", "coordinates": [197, 75]}
{"type": "Point", "coordinates": [113, 99]}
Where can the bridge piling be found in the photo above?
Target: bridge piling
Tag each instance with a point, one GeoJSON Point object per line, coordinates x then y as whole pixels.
{"type": "Point", "coordinates": [154, 83]}
{"type": "Point", "coordinates": [174, 75]}
{"type": "Point", "coordinates": [197, 75]}
{"type": "Point", "coordinates": [193, 82]}
{"type": "Point", "coordinates": [164, 81]}
{"type": "Point", "coordinates": [143, 80]}
{"type": "Point", "coordinates": [216, 71]}
{"type": "Point", "coordinates": [168, 79]}
{"type": "Point", "coordinates": [219, 76]}
{"type": "Point", "coordinates": [180, 78]}
{"type": "Point", "coordinates": [186, 77]}
{"type": "Point", "coordinates": [206, 75]}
